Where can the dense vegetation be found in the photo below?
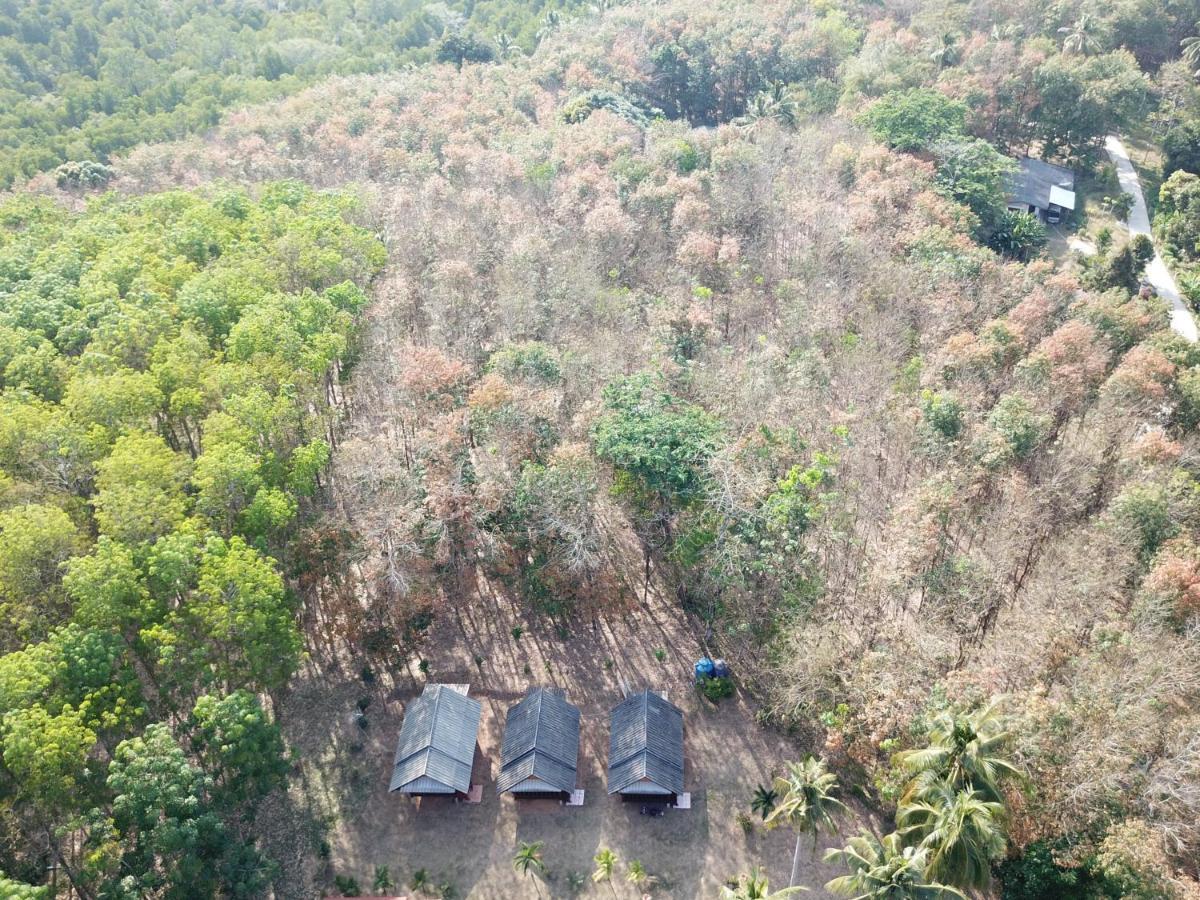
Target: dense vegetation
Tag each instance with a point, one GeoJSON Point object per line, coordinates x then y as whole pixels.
{"type": "Point", "coordinates": [80, 80]}
{"type": "Point", "coordinates": [166, 367]}
{"type": "Point", "coordinates": [731, 284]}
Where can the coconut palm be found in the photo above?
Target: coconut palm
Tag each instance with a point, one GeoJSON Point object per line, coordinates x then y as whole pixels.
{"type": "Point", "coordinates": [763, 801]}
{"type": "Point", "coordinates": [945, 51]}
{"type": "Point", "coordinates": [1083, 37]}
{"type": "Point", "coordinates": [635, 872]}
{"type": "Point", "coordinates": [885, 870]}
{"type": "Point", "coordinates": [961, 832]}
{"type": "Point", "coordinates": [773, 105]}
{"type": "Point", "coordinates": [383, 882]}
{"type": "Point", "coordinates": [964, 751]}
{"type": "Point", "coordinates": [1191, 53]}
{"type": "Point", "coordinates": [528, 861]}
{"type": "Point", "coordinates": [806, 803]}
{"type": "Point", "coordinates": [549, 25]}
{"type": "Point", "coordinates": [756, 887]}
{"type": "Point", "coordinates": [506, 47]}
{"type": "Point", "coordinates": [605, 861]}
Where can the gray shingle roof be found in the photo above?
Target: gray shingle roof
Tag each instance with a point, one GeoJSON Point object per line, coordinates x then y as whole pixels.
{"type": "Point", "coordinates": [646, 746]}
{"type": "Point", "coordinates": [436, 749]}
{"type": "Point", "coordinates": [1032, 181]}
{"type": "Point", "coordinates": [541, 740]}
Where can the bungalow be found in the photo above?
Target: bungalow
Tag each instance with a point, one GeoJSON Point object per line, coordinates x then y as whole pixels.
{"type": "Point", "coordinates": [540, 752]}
{"type": "Point", "coordinates": [1043, 189]}
{"type": "Point", "coordinates": [645, 755]}
{"type": "Point", "coordinates": [436, 751]}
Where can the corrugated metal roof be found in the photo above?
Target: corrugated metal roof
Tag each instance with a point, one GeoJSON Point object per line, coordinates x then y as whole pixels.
{"type": "Point", "coordinates": [541, 740]}
{"type": "Point", "coordinates": [645, 745]}
{"type": "Point", "coordinates": [1032, 181]}
{"type": "Point", "coordinates": [437, 742]}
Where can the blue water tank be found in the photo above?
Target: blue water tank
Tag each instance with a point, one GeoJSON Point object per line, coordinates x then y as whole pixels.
{"type": "Point", "coordinates": [720, 670]}
{"type": "Point", "coordinates": [704, 668]}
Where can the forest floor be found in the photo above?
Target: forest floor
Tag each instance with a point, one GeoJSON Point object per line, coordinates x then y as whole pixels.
{"type": "Point", "coordinates": [345, 770]}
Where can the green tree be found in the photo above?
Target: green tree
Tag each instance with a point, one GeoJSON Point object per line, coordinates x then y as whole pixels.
{"type": "Point", "coordinates": [238, 630]}
{"type": "Point", "coordinates": [965, 751]}
{"type": "Point", "coordinates": [961, 831]}
{"type": "Point", "coordinates": [1084, 98]}
{"type": "Point", "coordinates": [1084, 36]}
{"type": "Point", "coordinates": [35, 541]}
{"type": "Point", "coordinates": [606, 862]}
{"type": "Point", "coordinates": [16, 890]}
{"type": "Point", "coordinates": [806, 804]}
{"type": "Point", "coordinates": [171, 839]}
{"type": "Point", "coordinates": [528, 861]}
{"type": "Point", "coordinates": [658, 443]}
{"type": "Point", "coordinates": [764, 800]}
{"type": "Point", "coordinates": [139, 489]}
{"type": "Point", "coordinates": [972, 172]}
{"type": "Point", "coordinates": [915, 119]}
{"type": "Point", "coordinates": [1017, 235]}
{"type": "Point", "coordinates": [240, 748]}
{"type": "Point", "coordinates": [1014, 430]}
{"type": "Point", "coordinates": [1177, 220]}
{"type": "Point", "coordinates": [774, 105]}
{"type": "Point", "coordinates": [1181, 146]}
{"type": "Point", "coordinates": [885, 870]}
{"type": "Point", "coordinates": [635, 873]}
{"type": "Point", "coordinates": [48, 756]}
{"type": "Point", "coordinates": [383, 882]}
{"type": "Point", "coordinates": [755, 886]}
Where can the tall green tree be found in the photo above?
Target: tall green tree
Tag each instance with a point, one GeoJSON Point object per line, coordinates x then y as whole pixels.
{"type": "Point", "coordinates": [806, 804]}
{"type": "Point", "coordinates": [965, 751]}
{"type": "Point", "coordinates": [527, 861]}
{"type": "Point", "coordinates": [657, 443]}
{"type": "Point", "coordinates": [962, 832]}
{"type": "Point", "coordinates": [885, 870]}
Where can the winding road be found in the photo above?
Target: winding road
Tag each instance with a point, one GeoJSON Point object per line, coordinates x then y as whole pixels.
{"type": "Point", "coordinates": [1157, 273]}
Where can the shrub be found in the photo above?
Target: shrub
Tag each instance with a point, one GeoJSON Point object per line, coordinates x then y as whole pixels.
{"type": "Point", "coordinates": [716, 689]}
{"type": "Point", "coordinates": [347, 885]}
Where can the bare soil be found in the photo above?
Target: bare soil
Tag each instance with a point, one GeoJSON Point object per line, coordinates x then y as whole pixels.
{"type": "Point", "coordinates": [345, 769]}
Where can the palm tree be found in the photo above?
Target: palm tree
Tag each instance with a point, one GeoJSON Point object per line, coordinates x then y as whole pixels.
{"type": "Point", "coordinates": [964, 752]}
{"type": "Point", "coordinates": [945, 52]}
{"type": "Point", "coordinates": [1083, 37]}
{"type": "Point", "coordinates": [528, 861]}
{"type": "Point", "coordinates": [635, 872]}
{"type": "Point", "coordinates": [506, 47]}
{"type": "Point", "coordinates": [383, 882]}
{"type": "Point", "coordinates": [1191, 53]}
{"type": "Point", "coordinates": [755, 887]}
{"type": "Point", "coordinates": [885, 870]}
{"type": "Point", "coordinates": [806, 803]}
{"type": "Point", "coordinates": [549, 25]}
{"type": "Point", "coordinates": [960, 830]}
{"type": "Point", "coordinates": [605, 861]}
{"type": "Point", "coordinates": [763, 801]}
{"type": "Point", "coordinates": [774, 105]}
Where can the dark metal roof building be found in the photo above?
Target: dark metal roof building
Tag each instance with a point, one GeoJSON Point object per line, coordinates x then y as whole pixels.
{"type": "Point", "coordinates": [1040, 186]}
{"type": "Point", "coordinates": [540, 752]}
{"type": "Point", "coordinates": [645, 755]}
{"type": "Point", "coordinates": [436, 751]}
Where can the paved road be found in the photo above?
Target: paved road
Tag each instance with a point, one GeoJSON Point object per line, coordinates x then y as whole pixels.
{"type": "Point", "coordinates": [1157, 272]}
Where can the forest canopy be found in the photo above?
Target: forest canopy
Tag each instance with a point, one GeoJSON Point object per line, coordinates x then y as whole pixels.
{"type": "Point", "coordinates": [327, 325]}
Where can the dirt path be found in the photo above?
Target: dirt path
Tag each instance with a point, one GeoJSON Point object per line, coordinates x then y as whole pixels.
{"type": "Point", "coordinates": [1157, 273]}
